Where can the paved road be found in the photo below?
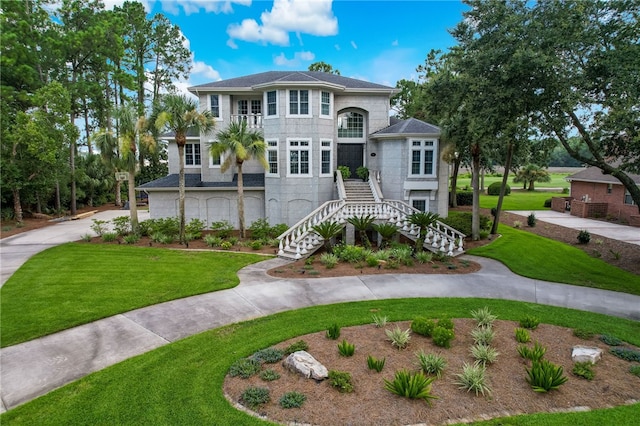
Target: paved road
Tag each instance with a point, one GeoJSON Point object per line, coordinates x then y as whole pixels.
{"type": "Point", "coordinates": [33, 368]}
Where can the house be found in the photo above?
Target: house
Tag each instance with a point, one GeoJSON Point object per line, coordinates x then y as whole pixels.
{"type": "Point", "coordinates": [599, 195]}
{"type": "Point", "coordinates": [312, 123]}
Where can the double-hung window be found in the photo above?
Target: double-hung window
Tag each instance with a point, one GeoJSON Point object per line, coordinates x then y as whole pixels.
{"type": "Point", "coordinates": [325, 104]}
{"type": "Point", "coordinates": [214, 101]}
{"type": "Point", "coordinates": [627, 198]}
{"type": "Point", "coordinates": [299, 102]}
{"type": "Point", "coordinates": [272, 103]}
{"type": "Point", "coordinates": [272, 157]}
{"type": "Point", "coordinates": [423, 158]}
{"type": "Point", "coordinates": [192, 157]}
{"type": "Point", "coordinates": [299, 157]}
{"type": "Point", "coordinates": [326, 149]}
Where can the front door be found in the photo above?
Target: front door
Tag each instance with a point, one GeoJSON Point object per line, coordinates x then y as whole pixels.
{"type": "Point", "coordinates": [351, 155]}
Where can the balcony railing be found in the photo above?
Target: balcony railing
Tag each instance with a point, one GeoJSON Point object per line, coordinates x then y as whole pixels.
{"type": "Point", "coordinates": [254, 121]}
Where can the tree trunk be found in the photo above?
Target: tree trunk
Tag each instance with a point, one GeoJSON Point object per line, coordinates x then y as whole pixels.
{"type": "Point", "coordinates": [241, 201]}
{"type": "Point", "coordinates": [453, 198]}
{"type": "Point", "coordinates": [133, 207]}
{"type": "Point", "coordinates": [532, 186]}
{"type": "Point", "coordinates": [118, 194]}
{"type": "Point", "coordinates": [475, 210]}
{"type": "Point", "coordinates": [17, 205]}
{"type": "Point", "coordinates": [72, 166]}
{"type": "Point", "coordinates": [181, 191]}
{"type": "Point", "coordinates": [503, 187]}
{"type": "Point", "coordinates": [58, 202]}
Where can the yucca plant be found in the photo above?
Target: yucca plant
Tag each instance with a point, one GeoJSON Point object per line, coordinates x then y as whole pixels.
{"type": "Point", "coordinates": [534, 354]}
{"type": "Point", "coordinates": [379, 321]}
{"type": "Point", "coordinates": [375, 363]}
{"type": "Point", "coordinates": [473, 378]}
{"type": "Point", "coordinates": [483, 335]}
{"type": "Point", "coordinates": [484, 354]}
{"type": "Point", "coordinates": [411, 385]}
{"type": "Point", "coordinates": [483, 317]}
{"type": "Point", "coordinates": [333, 332]}
{"type": "Point", "coordinates": [544, 376]}
{"type": "Point", "coordinates": [346, 349]}
{"type": "Point", "coordinates": [432, 364]}
{"type": "Point", "coordinates": [399, 338]}
{"type": "Point", "coordinates": [522, 335]}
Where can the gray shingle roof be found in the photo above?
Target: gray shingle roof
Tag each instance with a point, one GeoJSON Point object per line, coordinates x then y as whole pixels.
{"type": "Point", "coordinates": [594, 174]}
{"type": "Point", "coordinates": [409, 126]}
{"type": "Point", "coordinates": [275, 77]}
{"type": "Point", "coordinates": [193, 180]}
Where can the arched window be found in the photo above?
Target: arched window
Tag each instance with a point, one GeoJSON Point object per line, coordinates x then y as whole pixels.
{"type": "Point", "coordinates": [350, 125]}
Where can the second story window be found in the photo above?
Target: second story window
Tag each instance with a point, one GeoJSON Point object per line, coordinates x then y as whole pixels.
{"type": "Point", "coordinates": [325, 104]}
{"type": "Point", "coordinates": [350, 125]}
{"type": "Point", "coordinates": [299, 102]}
{"type": "Point", "coordinates": [192, 155]}
{"type": "Point", "coordinates": [214, 100]}
{"type": "Point", "coordinates": [422, 158]}
{"type": "Point", "coordinates": [272, 103]}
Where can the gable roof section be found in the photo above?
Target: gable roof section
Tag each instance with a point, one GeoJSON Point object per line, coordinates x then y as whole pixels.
{"type": "Point", "coordinates": [409, 127]}
{"type": "Point", "coordinates": [193, 180]}
{"type": "Point", "coordinates": [292, 78]}
{"type": "Point", "coordinates": [594, 174]}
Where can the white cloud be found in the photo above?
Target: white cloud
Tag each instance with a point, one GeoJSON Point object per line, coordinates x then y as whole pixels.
{"type": "Point", "coordinates": [286, 16]}
{"type": "Point", "coordinates": [353, 44]}
{"type": "Point", "coordinates": [194, 6]}
{"type": "Point", "coordinates": [204, 70]}
{"type": "Point", "coordinates": [297, 59]}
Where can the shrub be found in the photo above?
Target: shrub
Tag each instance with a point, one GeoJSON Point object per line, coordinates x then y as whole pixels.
{"type": "Point", "coordinates": [522, 335]}
{"type": "Point", "coordinates": [222, 228]}
{"type": "Point", "coordinates": [446, 323]}
{"type": "Point", "coordinates": [269, 375]}
{"type": "Point", "coordinates": [584, 236]}
{"type": "Point", "coordinates": [86, 238]}
{"type": "Point", "coordinates": [346, 349]}
{"type": "Point", "coordinates": [333, 332]}
{"type": "Point", "coordinates": [635, 370]}
{"type": "Point", "coordinates": [531, 220]}
{"type": "Point", "coordinates": [292, 400]}
{"type": "Point", "coordinates": [464, 198]}
{"type": "Point", "coordinates": [345, 171]}
{"type": "Point", "coordinates": [121, 225]}
{"type": "Point", "coordinates": [610, 340]}
{"type": "Point", "coordinates": [260, 229]}
{"type": "Point", "coordinates": [379, 321]}
{"type": "Point", "coordinates": [494, 189]}
{"type": "Point", "coordinates": [484, 354]}
{"type": "Point", "coordinates": [245, 368]}
{"type": "Point", "coordinates": [363, 173]}
{"type": "Point", "coordinates": [226, 245]}
{"type": "Point", "coordinates": [300, 345]}
{"type": "Point", "coordinates": [212, 240]}
{"type": "Point", "coordinates": [483, 336]}
{"type": "Point", "coordinates": [402, 254]}
{"type": "Point", "coordinates": [534, 354]}
{"type": "Point", "coordinates": [411, 385]}
{"type": "Point", "coordinates": [195, 228]}
{"type": "Point", "coordinates": [626, 354]}
{"type": "Point", "coordinates": [372, 261]}
{"type": "Point", "coordinates": [99, 226]}
{"type": "Point", "coordinates": [473, 378]}
{"type": "Point", "coordinates": [424, 257]}
{"type": "Point", "coordinates": [131, 238]}
{"type": "Point", "coordinates": [256, 244]}
{"type": "Point", "coordinates": [544, 376]}
{"type": "Point", "coordinates": [529, 322]}
{"type": "Point", "coordinates": [584, 370]}
{"type": "Point", "coordinates": [277, 230]}
{"type": "Point", "coordinates": [167, 226]}
{"type": "Point", "coordinates": [399, 338]}
{"type": "Point", "coordinates": [433, 364]}
{"type": "Point", "coordinates": [423, 326]}
{"type": "Point", "coordinates": [108, 237]}
{"type": "Point", "coordinates": [583, 334]}
{"type": "Point", "coordinates": [341, 380]}
{"type": "Point", "coordinates": [483, 317]}
{"type": "Point", "coordinates": [329, 260]}
{"type": "Point", "coordinates": [442, 337]}
{"type": "Point", "coordinates": [547, 202]}
{"type": "Point", "coordinates": [351, 254]}
{"type": "Point", "coordinates": [254, 397]}
{"type": "Point", "coordinates": [462, 221]}
{"type": "Point", "coordinates": [517, 224]}
{"type": "Point", "coordinates": [268, 355]}
{"type": "Point", "coordinates": [375, 364]}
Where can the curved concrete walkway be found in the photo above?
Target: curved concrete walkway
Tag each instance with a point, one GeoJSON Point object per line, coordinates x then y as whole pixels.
{"type": "Point", "coordinates": [33, 368]}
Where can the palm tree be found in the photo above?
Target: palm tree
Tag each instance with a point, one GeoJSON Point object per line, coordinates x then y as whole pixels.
{"type": "Point", "coordinates": [239, 145]}
{"type": "Point", "coordinates": [530, 174]}
{"type": "Point", "coordinates": [362, 223]}
{"type": "Point", "coordinates": [422, 220]}
{"type": "Point", "coordinates": [178, 114]}
{"type": "Point", "coordinates": [386, 231]}
{"type": "Point", "coordinates": [326, 231]}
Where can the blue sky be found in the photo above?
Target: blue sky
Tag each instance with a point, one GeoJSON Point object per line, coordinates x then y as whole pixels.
{"type": "Point", "coordinates": [373, 40]}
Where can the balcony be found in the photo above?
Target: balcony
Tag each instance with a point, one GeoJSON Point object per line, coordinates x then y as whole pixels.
{"type": "Point", "coordinates": [254, 121]}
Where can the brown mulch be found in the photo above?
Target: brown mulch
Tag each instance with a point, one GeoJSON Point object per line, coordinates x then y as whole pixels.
{"type": "Point", "coordinates": [371, 404]}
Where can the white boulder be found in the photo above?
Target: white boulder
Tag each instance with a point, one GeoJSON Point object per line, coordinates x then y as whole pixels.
{"type": "Point", "coordinates": [303, 363]}
{"type": "Point", "coordinates": [586, 354]}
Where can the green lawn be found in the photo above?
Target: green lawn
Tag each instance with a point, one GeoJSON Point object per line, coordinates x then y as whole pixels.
{"type": "Point", "coordinates": [520, 200]}
{"type": "Point", "coordinates": [541, 258]}
{"type": "Point", "coordinates": [77, 283]}
{"type": "Point", "coordinates": [557, 181]}
{"type": "Point", "coordinates": [181, 383]}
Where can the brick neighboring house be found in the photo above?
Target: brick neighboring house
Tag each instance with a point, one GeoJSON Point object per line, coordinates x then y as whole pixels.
{"type": "Point", "coordinates": [598, 195]}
